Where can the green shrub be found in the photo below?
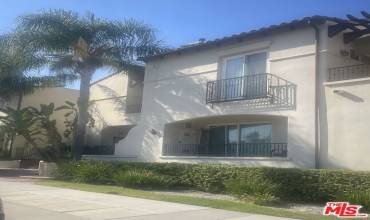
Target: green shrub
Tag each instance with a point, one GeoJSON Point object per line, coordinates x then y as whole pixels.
{"type": "Point", "coordinates": [296, 185]}
{"type": "Point", "coordinates": [258, 190]}
{"type": "Point", "coordinates": [142, 178]}
{"type": "Point", "coordinates": [208, 178]}
{"type": "Point", "coordinates": [356, 197]}
{"type": "Point", "coordinates": [67, 170]}
{"type": "Point", "coordinates": [86, 171]}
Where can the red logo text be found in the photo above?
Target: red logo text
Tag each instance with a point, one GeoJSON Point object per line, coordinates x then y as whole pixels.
{"type": "Point", "coordinates": [343, 210]}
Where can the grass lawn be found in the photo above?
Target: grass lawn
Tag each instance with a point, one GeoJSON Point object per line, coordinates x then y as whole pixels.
{"type": "Point", "coordinates": [213, 203]}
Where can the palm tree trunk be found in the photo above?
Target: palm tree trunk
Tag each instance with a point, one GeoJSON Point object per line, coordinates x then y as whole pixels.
{"type": "Point", "coordinates": [20, 99]}
{"type": "Point", "coordinates": [83, 105]}
{"type": "Point", "coordinates": [19, 106]}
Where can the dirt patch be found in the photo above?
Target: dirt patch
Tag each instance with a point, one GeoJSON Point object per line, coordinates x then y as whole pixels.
{"type": "Point", "coordinates": [299, 207]}
{"type": "Point", "coordinates": [296, 207]}
{"type": "Point", "coordinates": [197, 194]}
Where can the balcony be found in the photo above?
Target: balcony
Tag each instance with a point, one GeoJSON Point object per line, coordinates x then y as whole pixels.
{"type": "Point", "coordinates": [227, 136]}
{"type": "Point", "coordinates": [348, 72]}
{"type": "Point", "coordinates": [228, 150]}
{"type": "Point", "coordinates": [267, 89]}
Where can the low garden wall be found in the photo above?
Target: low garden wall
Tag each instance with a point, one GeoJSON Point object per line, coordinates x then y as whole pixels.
{"type": "Point", "coordinates": [260, 184]}
{"type": "Point", "coordinates": [9, 164]}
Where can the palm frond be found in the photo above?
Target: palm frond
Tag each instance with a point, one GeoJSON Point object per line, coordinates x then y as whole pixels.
{"type": "Point", "coordinates": [73, 42]}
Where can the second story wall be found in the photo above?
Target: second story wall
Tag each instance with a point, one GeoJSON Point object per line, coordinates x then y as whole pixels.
{"type": "Point", "coordinates": [178, 82]}
{"type": "Point", "coordinates": [115, 101]}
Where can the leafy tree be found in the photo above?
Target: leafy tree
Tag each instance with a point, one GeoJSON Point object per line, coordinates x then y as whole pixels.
{"type": "Point", "coordinates": [21, 122]}
{"type": "Point", "coordinates": [71, 118]}
{"type": "Point", "coordinates": [48, 126]}
{"type": "Point", "coordinates": [81, 45]}
{"type": "Point", "coordinates": [17, 61]}
{"type": "Point", "coordinates": [33, 124]}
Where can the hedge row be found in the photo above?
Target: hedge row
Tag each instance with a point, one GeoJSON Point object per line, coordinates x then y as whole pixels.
{"type": "Point", "coordinates": [301, 185]}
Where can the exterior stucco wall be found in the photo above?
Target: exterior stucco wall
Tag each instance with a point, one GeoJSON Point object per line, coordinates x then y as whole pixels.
{"type": "Point", "coordinates": [175, 88]}
{"type": "Point", "coordinates": [348, 140]}
{"type": "Point", "coordinates": [58, 96]}
{"type": "Point", "coordinates": [343, 143]}
{"type": "Point", "coordinates": [334, 57]}
{"type": "Point", "coordinates": [109, 98]}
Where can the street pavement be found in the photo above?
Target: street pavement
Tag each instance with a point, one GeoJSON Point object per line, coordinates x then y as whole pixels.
{"type": "Point", "coordinates": [24, 200]}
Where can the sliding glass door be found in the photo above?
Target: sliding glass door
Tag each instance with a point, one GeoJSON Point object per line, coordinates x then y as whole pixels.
{"type": "Point", "coordinates": [256, 133]}
{"type": "Point", "coordinates": [223, 140]}
{"type": "Point", "coordinates": [238, 76]}
{"type": "Point", "coordinates": [255, 84]}
{"type": "Point", "coordinates": [240, 140]}
{"type": "Point", "coordinates": [217, 141]}
{"type": "Point", "coordinates": [255, 140]}
{"type": "Point", "coordinates": [232, 84]}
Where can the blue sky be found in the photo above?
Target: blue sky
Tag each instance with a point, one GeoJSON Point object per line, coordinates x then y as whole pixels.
{"type": "Point", "coordinates": [180, 22]}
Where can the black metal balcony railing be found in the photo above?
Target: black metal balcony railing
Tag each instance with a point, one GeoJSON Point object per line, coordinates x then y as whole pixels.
{"type": "Point", "coordinates": [348, 72]}
{"type": "Point", "coordinates": [252, 87]}
{"type": "Point", "coordinates": [227, 150]}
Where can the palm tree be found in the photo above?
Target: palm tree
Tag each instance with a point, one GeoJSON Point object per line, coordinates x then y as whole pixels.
{"type": "Point", "coordinates": [81, 45]}
{"type": "Point", "coordinates": [16, 62]}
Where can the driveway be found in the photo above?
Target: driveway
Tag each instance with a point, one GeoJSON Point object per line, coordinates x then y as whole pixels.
{"type": "Point", "coordinates": [25, 200]}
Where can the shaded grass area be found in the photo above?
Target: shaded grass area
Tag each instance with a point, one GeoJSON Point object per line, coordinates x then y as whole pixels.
{"type": "Point", "coordinates": [212, 203]}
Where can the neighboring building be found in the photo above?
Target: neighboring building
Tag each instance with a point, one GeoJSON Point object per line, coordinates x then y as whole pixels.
{"type": "Point", "coordinates": [56, 95]}
{"type": "Point", "coordinates": [115, 105]}
{"type": "Point", "coordinates": [284, 96]}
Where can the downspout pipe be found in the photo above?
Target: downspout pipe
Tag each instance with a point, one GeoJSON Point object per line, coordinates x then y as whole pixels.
{"type": "Point", "coordinates": [317, 93]}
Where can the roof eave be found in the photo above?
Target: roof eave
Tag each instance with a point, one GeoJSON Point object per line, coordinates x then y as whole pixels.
{"type": "Point", "coordinates": [293, 25]}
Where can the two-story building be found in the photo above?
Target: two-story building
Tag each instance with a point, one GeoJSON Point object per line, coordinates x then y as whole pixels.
{"type": "Point", "coordinates": [289, 95]}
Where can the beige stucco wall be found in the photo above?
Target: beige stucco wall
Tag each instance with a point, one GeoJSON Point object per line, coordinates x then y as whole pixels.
{"type": "Point", "coordinates": [175, 90]}
{"type": "Point", "coordinates": [343, 142]}
{"type": "Point", "coordinates": [348, 120]}
{"type": "Point", "coordinates": [114, 85]}
{"type": "Point", "coordinates": [108, 98]}
{"type": "Point", "coordinates": [58, 96]}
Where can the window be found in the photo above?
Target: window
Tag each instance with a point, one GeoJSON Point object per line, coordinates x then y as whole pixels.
{"type": "Point", "coordinates": [235, 86]}
{"type": "Point", "coordinates": [245, 65]}
{"type": "Point", "coordinates": [255, 63]}
{"type": "Point", "coordinates": [243, 140]}
{"type": "Point", "coordinates": [232, 134]}
{"type": "Point", "coordinates": [245, 133]}
{"type": "Point", "coordinates": [234, 68]}
{"type": "Point", "coordinates": [256, 133]}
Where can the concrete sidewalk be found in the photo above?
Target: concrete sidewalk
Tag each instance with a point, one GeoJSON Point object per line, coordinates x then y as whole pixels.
{"type": "Point", "coordinates": [25, 200]}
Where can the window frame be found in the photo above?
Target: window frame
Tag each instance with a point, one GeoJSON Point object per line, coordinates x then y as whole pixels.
{"type": "Point", "coordinates": [238, 125]}
{"type": "Point", "coordinates": [255, 125]}
{"type": "Point", "coordinates": [224, 60]}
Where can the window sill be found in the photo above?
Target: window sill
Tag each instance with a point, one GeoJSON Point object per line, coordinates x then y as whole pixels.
{"type": "Point", "coordinates": [225, 158]}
